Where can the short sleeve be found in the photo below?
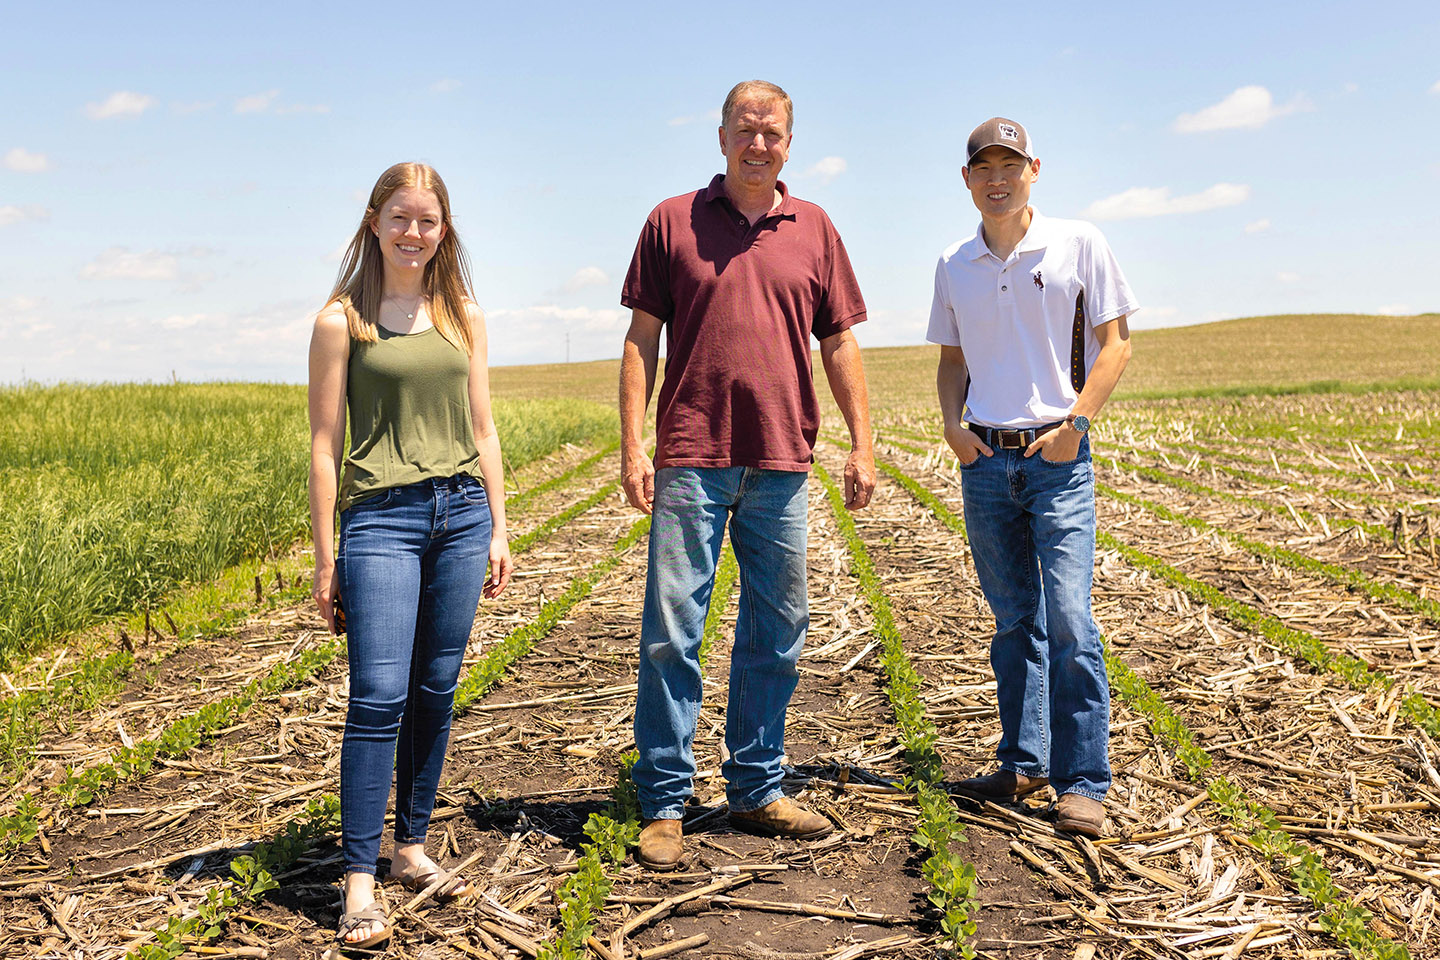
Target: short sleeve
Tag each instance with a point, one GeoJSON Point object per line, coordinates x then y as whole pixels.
{"type": "Point", "coordinates": [842, 306]}
{"type": "Point", "coordinates": [1107, 294]}
{"type": "Point", "coordinates": [944, 327]}
{"type": "Point", "coordinates": [647, 283]}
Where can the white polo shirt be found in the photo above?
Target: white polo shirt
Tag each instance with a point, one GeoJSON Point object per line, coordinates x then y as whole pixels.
{"type": "Point", "coordinates": [1015, 318]}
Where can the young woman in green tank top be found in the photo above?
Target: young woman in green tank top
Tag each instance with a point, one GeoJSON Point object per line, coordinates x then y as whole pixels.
{"type": "Point", "coordinates": [400, 350]}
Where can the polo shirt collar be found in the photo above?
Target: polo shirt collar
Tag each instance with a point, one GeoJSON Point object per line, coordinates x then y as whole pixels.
{"type": "Point", "coordinates": [1036, 238]}
{"type": "Point", "coordinates": [786, 208]}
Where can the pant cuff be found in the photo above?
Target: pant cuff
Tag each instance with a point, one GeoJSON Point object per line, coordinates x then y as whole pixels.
{"type": "Point", "coordinates": [1016, 768]}
{"type": "Point", "coordinates": [769, 798]}
{"type": "Point", "coordinates": [361, 868]}
{"type": "Point", "coordinates": [668, 813]}
{"type": "Point", "coordinates": [1082, 792]}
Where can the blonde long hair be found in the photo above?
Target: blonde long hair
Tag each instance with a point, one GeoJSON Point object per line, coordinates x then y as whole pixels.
{"type": "Point", "coordinates": [361, 282]}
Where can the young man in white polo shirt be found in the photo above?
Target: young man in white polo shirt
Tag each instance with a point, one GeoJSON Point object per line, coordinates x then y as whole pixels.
{"type": "Point", "coordinates": [1030, 315]}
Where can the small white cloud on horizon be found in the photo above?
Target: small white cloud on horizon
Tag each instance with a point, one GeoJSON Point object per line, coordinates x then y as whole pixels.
{"type": "Point", "coordinates": [256, 102]}
{"type": "Point", "coordinates": [1395, 310]}
{"type": "Point", "coordinates": [447, 85]}
{"type": "Point", "coordinates": [1257, 226]}
{"type": "Point", "coordinates": [1248, 108]}
{"type": "Point", "coordinates": [827, 168]}
{"type": "Point", "coordinates": [123, 263]}
{"type": "Point", "coordinates": [1138, 202]}
{"type": "Point", "coordinates": [23, 161]}
{"type": "Point", "coordinates": [182, 321]}
{"type": "Point", "coordinates": [11, 213]}
{"type": "Point", "coordinates": [586, 277]}
{"type": "Point", "coordinates": [121, 103]}
{"type": "Point", "coordinates": [1287, 276]}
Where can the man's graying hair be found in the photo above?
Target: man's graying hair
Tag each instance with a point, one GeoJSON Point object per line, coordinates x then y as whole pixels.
{"type": "Point", "coordinates": [757, 90]}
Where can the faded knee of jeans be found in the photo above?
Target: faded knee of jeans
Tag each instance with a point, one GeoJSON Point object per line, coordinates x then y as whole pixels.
{"type": "Point", "coordinates": [375, 717]}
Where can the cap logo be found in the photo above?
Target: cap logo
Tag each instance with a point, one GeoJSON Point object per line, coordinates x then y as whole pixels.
{"type": "Point", "coordinates": [1008, 132]}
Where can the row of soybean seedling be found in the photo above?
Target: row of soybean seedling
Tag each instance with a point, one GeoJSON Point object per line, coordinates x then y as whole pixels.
{"type": "Point", "coordinates": [939, 830]}
{"type": "Point", "coordinates": [1346, 921]}
{"type": "Point", "coordinates": [1299, 643]}
{"type": "Point", "coordinates": [254, 874]}
{"type": "Point", "coordinates": [83, 785]}
{"type": "Point", "coordinates": [611, 834]}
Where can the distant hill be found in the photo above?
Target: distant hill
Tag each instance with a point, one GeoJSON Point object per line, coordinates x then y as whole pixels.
{"type": "Point", "coordinates": [1250, 354]}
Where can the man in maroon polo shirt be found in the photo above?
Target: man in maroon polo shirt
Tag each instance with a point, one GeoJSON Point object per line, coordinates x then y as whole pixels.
{"type": "Point", "coordinates": [739, 276]}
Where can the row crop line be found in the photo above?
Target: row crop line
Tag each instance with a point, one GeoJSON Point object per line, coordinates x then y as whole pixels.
{"type": "Point", "coordinates": [91, 679]}
{"type": "Point", "coordinates": [1346, 921]}
{"type": "Point", "coordinates": [83, 786]}
{"type": "Point", "coordinates": [1276, 484]}
{"type": "Point", "coordinates": [254, 874]}
{"type": "Point", "coordinates": [1289, 463]}
{"type": "Point", "coordinates": [252, 877]}
{"type": "Point", "coordinates": [1300, 643]}
{"type": "Point", "coordinates": [522, 499]}
{"type": "Point", "coordinates": [1344, 576]}
{"type": "Point", "coordinates": [1159, 475]}
{"type": "Point", "coordinates": [612, 833]}
{"type": "Point", "coordinates": [952, 879]}
{"type": "Point", "coordinates": [518, 642]}
{"type": "Point", "coordinates": [526, 540]}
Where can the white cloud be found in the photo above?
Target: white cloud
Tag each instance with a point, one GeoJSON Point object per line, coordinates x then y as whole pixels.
{"type": "Point", "coordinates": [121, 103]}
{"type": "Point", "coordinates": [586, 277]}
{"type": "Point", "coordinates": [1436, 89]}
{"type": "Point", "coordinates": [122, 263]}
{"type": "Point", "coordinates": [12, 214]}
{"type": "Point", "coordinates": [19, 304]}
{"type": "Point", "coordinates": [23, 161]}
{"type": "Point", "coordinates": [1157, 202]}
{"type": "Point", "coordinates": [1248, 108]}
{"type": "Point", "coordinates": [182, 321]}
{"type": "Point", "coordinates": [1257, 226]}
{"type": "Point", "coordinates": [680, 121]}
{"type": "Point", "coordinates": [827, 168]}
{"type": "Point", "coordinates": [1396, 310]}
{"type": "Point", "coordinates": [256, 102]}
{"type": "Point", "coordinates": [445, 86]}
{"type": "Point", "coordinates": [1286, 276]}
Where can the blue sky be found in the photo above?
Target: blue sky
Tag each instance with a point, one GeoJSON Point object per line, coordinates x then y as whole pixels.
{"type": "Point", "coordinates": [176, 179]}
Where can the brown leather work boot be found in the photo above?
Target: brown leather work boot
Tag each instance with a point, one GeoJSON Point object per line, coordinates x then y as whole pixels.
{"type": "Point", "coordinates": [782, 818]}
{"type": "Point", "coordinates": [1002, 786]}
{"type": "Point", "coordinates": [1077, 814]}
{"type": "Point", "coordinates": [662, 843]}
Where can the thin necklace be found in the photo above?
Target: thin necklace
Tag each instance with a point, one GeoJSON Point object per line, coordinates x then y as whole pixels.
{"type": "Point", "coordinates": [414, 309]}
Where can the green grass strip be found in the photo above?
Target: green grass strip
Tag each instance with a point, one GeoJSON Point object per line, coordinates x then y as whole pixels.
{"type": "Point", "coordinates": [952, 878]}
{"type": "Point", "coordinates": [517, 643]}
{"type": "Point", "coordinates": [1345, 576]}
{"type": "Point", "coordinates": [522, 499]}
{"type": "Point", "coordinates": [1341, 918]}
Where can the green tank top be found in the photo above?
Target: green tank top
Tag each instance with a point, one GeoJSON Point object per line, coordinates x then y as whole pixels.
{"type": "Point", "coordinates": [408, 397]}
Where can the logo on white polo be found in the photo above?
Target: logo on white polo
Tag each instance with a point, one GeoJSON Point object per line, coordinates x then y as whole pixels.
{"type": "Point", "coordinates": [1008, 132]}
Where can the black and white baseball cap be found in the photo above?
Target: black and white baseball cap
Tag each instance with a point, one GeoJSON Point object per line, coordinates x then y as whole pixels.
{"type": "Point", "coordinates": [999, 132]}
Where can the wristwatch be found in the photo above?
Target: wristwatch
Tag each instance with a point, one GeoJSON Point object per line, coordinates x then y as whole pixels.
{"type": "Point", "coordinates": [1080, 422]}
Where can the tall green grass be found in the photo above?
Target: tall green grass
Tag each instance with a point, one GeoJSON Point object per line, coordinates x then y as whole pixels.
{"type": "Point", "coordinates": [111, 496]}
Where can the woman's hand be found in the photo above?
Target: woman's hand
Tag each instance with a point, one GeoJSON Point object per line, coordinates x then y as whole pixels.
{"type": "Point", "coordinates": [501, 566]}
{"type": "Point", "coordinates": [325, 589]}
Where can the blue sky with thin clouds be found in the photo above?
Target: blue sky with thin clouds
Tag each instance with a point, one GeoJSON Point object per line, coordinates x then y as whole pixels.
{"type": "Point", "coordinates": [176, 180]}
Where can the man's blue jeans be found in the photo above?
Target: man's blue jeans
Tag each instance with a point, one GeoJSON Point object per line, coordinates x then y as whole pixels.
{"type": "Point", "coordinates": [411, 563]}
{"type": "Point", "coordinates": [1031, 525]}
{"type": "Point", "coordinates": [766, 510]}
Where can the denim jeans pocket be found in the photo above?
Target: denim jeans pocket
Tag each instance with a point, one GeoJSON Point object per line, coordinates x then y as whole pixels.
{"type": "Point", "coordinates": [472, 490]}
{"type": "Point", "coordinates": [374, 500]}
{"type": "Point", "coordinates": [967, 466]}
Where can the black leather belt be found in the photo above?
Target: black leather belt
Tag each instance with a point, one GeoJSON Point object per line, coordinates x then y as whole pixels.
{"type": "Point", "coordinates": [1000, 439]}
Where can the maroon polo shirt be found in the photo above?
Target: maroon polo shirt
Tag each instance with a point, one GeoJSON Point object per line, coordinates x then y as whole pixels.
{"type": "Point", "coordinates": [740, 302]}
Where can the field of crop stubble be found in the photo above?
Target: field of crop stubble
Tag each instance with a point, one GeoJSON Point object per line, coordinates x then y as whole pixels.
{"type": "Point", "coordinates": [1267, 583]}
